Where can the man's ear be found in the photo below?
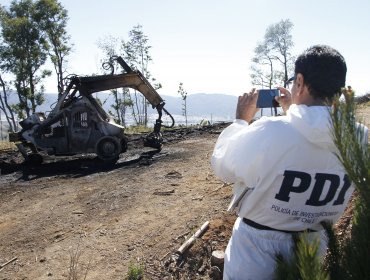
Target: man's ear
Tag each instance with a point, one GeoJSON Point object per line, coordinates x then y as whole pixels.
{"type": "Point", "coordinates": [299, 83]}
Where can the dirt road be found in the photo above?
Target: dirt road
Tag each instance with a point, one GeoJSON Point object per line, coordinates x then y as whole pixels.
{"type": "Point", "coordinates": [105, 218]}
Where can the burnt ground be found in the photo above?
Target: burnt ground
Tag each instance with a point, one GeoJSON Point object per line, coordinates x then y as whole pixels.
{"type": "Point", "coordinates": [100, 219]}
{"type": "Point", "coordinates": [76, 218]}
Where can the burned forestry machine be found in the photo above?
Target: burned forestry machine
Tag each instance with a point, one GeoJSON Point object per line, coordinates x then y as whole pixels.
{"type": "Point", "coordinates": [78, 124]}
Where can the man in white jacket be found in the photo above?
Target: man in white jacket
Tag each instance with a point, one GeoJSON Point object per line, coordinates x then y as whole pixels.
{"type": "Point", "coordinates": [286, 175]}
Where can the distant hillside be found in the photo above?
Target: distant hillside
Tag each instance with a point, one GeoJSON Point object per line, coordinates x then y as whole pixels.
{"type": "Point", "coordinates": [213, 107]}
{"type": "Point", "coordinates": [216, 107]}
{"type": "Point", "coordinates": [198, 105]}
{"type": "Point", "coordinates": [219, 106]}
{"type": "Point", "coordinates": [203, 105]}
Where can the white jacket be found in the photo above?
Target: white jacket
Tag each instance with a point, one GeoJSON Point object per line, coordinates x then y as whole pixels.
{"type": "Point", "coordinates": [289, 166]}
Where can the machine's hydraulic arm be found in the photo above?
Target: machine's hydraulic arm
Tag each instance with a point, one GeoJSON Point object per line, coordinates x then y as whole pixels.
{"type": "Point", "coordinates": [132, 79]}
{"type": "Point", "coordinates": [135, 80]}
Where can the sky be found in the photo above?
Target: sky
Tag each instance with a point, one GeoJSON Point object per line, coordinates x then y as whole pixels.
{"type": "Point", "coordinates": [208, 44]}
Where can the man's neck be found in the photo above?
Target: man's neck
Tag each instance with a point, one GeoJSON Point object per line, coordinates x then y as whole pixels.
{"type": "Point", "coordinates": [309, 100]}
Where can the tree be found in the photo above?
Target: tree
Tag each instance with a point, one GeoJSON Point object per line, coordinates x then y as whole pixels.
{"type": "Point", "coordinates": [279, 39]}
{"type": "Point", "coordinates": [5, 107]}
{"type": "Point", "coordinates": [263, 67]}
{"type": "Point", "coordinates": [183, 94]}
{"type": "Point", "coordinates": [23, 52]}
{"type": "Point", "coordinates": [122, 99]}
{"type": "Point", "coordinates": [136, 51]}
{"type": "Point", "coordinates": [272, 59]}
{"type": "Point", "coordinates": [53, 22]}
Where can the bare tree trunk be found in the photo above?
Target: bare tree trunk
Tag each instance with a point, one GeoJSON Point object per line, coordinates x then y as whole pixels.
{"type": "Point", "coordinates": [58, 67]}
{"type": "Point", "coordinates": [22, 99]}
{"type": "Point", "coordinates": [186, 114]}
{"type": "Point", "coordinates": [116, 107]}
{"type": "Point", "coordinates": [285, 69]}
{"type": "Point", "coordinates": [272, 73]}
{"type": "Point", "coordinates": [32, 89]}
{"type": "Point", "coordinates": [9, 115]}
{"type": "Point", "coordinates": [60, 75]}
{"type": "Point", "coordinates": [134, 114]}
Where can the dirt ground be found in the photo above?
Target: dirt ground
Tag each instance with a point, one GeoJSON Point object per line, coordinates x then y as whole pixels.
{"type": "Point", "coordinates": [75, 218]}
{"type": "Point", "coordinates": [75, 211]}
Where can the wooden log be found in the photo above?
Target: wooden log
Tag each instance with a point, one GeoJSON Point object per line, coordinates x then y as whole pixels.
{"type": "Point", "coordinates": [188, 243]}
{"type": "Point", "coordinates": [8, 262]}
{"type": "Point", "coordinates": [217, 258]}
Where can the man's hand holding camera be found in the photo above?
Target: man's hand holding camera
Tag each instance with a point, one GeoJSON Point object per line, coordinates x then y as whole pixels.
{"type": "Point", "coordinates": [285, 98]}
{"type": "Point", "coordinates": [247, 106]}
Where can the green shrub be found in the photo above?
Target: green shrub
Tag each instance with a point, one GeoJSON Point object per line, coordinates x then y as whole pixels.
{"type": "Point", "coordinates": [305, 263]}
{"type": "Point", "coordinates": [135, 272]}
{"type": "Point", "coordinates": [354, 155]}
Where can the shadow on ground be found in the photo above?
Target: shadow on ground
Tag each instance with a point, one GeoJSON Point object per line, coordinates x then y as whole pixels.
{"type": "Point", "coordinates": [75, 167]}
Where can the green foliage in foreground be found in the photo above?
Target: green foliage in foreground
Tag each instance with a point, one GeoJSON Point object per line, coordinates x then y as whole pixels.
{"type": "Point", "coordinates": [138, 129]}
{"type": "Point", "coordinates": [6, 145]}
{"type": "Point", "coordinates": [351, 142]}
{"type": "Point", "coordinates": [135, 272]}
{"type": "Point", "coordinates": [305, 264]}
{"type": "Point", "coordinates": [145, 129]}
{"type": "Point", "coordinates": [351, 259]}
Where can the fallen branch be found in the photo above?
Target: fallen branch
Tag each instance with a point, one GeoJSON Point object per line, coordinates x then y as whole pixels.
{"type": "Point", "coordinates": [165, 256]}
{"type": "Point", "coordinates": [8, 262]}
{"type": "Point", "coordinates": [185, 246]}
{"type": "Point", "coordinates": [182, 235]}
{"type": "Point", "coordinates": [169, 192]}
{"type": "Point", "coordinates": [223, 186]}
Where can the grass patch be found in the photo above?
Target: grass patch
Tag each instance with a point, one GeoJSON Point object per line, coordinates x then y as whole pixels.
{"type": "Point", "coordinates": [135, 272]}
{"type": "Point", "coordinates": [143, 129]}
{"type": "Point", "coordinates": [138, 129]}
{"type": "Point", "coordinates": [6, 145]}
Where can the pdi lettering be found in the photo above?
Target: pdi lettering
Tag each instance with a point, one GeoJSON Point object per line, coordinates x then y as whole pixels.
{"type": "Point", "coordinates": [300, 182]}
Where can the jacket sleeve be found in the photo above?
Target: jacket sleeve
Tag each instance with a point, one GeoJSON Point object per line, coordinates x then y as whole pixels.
{"type": "Point", "coordinates": [238, 153]}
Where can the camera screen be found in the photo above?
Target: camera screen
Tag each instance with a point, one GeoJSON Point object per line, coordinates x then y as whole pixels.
{"type": "Point", "coordinates": [266, 98]}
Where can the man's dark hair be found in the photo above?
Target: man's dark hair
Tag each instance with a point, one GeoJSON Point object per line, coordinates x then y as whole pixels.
{"type": "Point", "coordinates": [324, 70]}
